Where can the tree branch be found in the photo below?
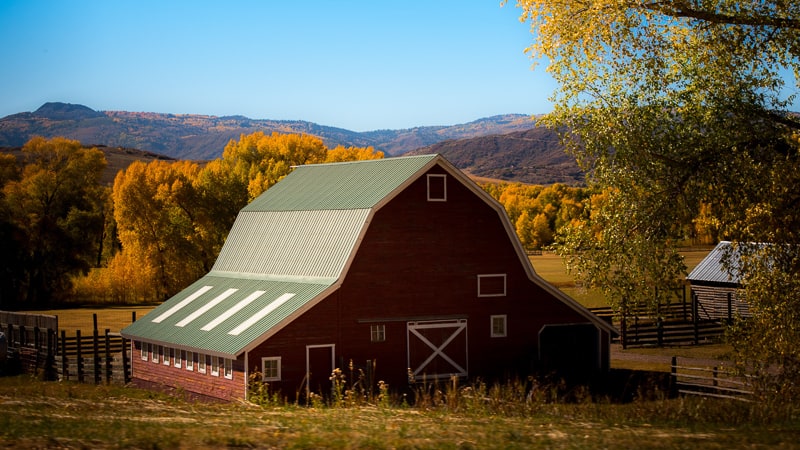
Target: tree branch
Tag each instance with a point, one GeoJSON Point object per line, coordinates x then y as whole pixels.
{"type": "Point", "coordinates": [682, 9]}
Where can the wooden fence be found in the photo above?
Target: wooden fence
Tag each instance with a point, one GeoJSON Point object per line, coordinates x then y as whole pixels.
{"type": "Point", "coordinates": [674, 323]}
{"type": "Point", "coordinates": [95, 357]}
{"type": "Point", "coordinates": [710, 381]}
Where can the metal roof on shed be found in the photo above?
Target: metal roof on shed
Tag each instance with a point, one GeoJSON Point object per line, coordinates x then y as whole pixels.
{"type": "Point", "coordinates": [712, 269]}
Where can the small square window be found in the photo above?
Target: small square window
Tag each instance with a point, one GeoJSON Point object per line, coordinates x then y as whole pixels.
{"type": "Point", "coordinates": [377, 333]}
{"type": "Point", "coordinates": [143, 350]}
{"type": "Point", "coordinates": [492, 285]}
{"type": "Point", "coordinates": [498, 326]}
{"type": "Point", "coordinates": [437, 187]}
{"type": "Point", "coordinates": [271, 368]}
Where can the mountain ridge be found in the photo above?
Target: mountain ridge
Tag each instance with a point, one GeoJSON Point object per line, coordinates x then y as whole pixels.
{"type": "Point", "coordinates": [198, 137]}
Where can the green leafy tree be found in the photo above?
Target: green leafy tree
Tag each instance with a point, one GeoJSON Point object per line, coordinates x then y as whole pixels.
{"type": "Point", "coordinates": [53, 212]}
{"type": "Point", "coordinates": [670, 106]}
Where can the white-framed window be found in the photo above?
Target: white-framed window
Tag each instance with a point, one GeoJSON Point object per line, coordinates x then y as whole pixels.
{"type": "Point", "coordinates": [215, 366]}
{"type": "Point", "coordinates": [492, 285]}
{"type": "Point", "coordinates": [201, 364]}
{"type": "Point", "coordinates": [498, 325]}
{"type": "Point", "coordinates": [377, 333]}
{"type": "Point", "coordinates": [271, 368]}
{"type": "Point", "coordinates": [228, 367]}
{"type": "Point", "coordinates": [191, 357]}
{"type": "Point", "coordinates": [176, 357]}
{"type": "Point", "coordinates": [437, 187]}
{"type": "Point", "coordinates": [160, 354]}
{"type": "Point", "coordinates": [143, 350]}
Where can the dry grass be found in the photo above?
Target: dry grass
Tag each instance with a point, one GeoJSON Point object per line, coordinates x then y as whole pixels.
{"type": "Point", "coordinates": [68, 415]}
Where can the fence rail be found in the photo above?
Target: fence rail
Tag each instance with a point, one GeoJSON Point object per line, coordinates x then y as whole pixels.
{"type": "Point", "coordinates": [714, 381]}
{"type": "Point", "coordinates": [97, 356]}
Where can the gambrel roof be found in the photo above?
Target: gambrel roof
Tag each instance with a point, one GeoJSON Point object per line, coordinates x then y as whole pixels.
{"type": "Point", "coordinates": [290, 248]}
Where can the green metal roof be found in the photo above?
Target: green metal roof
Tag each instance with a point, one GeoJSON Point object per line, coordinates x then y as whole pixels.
{"type": "Point", "coordinates": [285, 249]}
{"type": "Point", "coordinates": [222, 314]}
{"type": "Point", "coordinates": [348, 185]}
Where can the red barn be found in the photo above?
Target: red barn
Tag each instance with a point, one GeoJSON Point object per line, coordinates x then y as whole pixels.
{"type": "Point", "coordinates": [404, 262]}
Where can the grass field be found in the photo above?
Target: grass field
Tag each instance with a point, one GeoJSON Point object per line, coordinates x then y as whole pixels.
{"type": "Point", "coordinates": [69, 415]}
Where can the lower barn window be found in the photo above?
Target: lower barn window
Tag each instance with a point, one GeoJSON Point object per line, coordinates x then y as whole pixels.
{"type": "Point", "coordinates": [377, 333]}
{"type": "Point", "coordinates": [177, 358]}
{"type": "Point", "coordinates": [144, 351]}
{"type": "Point", "coordinates": [215, 366]}
{"type": "Point", "coordinates": [271, 368]}
{"type": "Point", "coordinates": [191, 360]}
{"type": "Point", "coordinates": [201, 364]}
{"type": "Point", "coordinates": [228, 367]}
{"type": "Point", "coordinates": [498, 326]}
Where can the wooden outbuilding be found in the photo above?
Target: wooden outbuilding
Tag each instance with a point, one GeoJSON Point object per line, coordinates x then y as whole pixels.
{"type": "Point", "coordinates": [403, 265]}
{"type": "Point", "coordinates": [715, 282]}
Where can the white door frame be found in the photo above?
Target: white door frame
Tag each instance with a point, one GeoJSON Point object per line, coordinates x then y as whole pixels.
{"type": "Point", "coordinates": [308, 362]}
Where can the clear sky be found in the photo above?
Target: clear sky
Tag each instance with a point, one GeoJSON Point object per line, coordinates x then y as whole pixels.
{"type": "Point", "coordinates": [360, 65]}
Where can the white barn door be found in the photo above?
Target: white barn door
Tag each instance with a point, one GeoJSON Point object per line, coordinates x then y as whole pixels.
{"type": "Point", "coordinates": [437, 348]}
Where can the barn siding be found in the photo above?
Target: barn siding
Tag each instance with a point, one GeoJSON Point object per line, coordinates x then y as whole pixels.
{"type": "Point", "coordinates": [712, 302]}
{"type": "Point", "coordinates": [421, 260]}
{"type": "Point", "coordinates": [170, 378]}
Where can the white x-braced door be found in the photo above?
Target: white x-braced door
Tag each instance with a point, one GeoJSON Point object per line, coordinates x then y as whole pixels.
{"type": "Point", "coordinates": [437, 348]}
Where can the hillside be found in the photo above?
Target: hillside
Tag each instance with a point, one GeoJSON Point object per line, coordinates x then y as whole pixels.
{"type": "Point", "coordinates": [118, 158]}
{"type": "Point", "coordinates": [532, 156]}
{"type": "Point", "coordinates": [200, 137]}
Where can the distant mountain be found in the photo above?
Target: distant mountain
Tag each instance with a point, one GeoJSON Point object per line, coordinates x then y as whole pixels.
{"type": "Point", "coordinates": [532, 156]}
{"type": "Point", "coordinates": [200, 137]}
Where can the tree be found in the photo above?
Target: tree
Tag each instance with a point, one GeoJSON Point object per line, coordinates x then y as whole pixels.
{"type": "Point", "coordinates": [54, 215]}
{"type": "Point", "coordinates": [670, 106]}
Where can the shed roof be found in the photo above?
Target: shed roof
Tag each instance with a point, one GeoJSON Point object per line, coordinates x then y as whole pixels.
{"type": "Point", "coordinates": [720, 266]}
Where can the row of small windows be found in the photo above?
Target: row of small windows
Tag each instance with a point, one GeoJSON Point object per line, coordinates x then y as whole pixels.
{"type": "Point", "coordinates": [192, 361]}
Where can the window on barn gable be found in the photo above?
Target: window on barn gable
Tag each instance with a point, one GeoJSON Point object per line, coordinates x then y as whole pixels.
{"type": "Point", "coordinates": [498, 326]}
{"type": "Point", "coordinates": [215, 366]}
{"type": "Point", "coordinates": [492, 285]}
{"type": "Point", "coordinates": [201, 364]}
{"type": "Point", "coordinates": [377, 333]}
{"type": "Point", "coordinates": [437, 187]}
{"type": "Point", "coordinates": [143, 351]}
{"type": "Point", "coordinates": [271, 368]}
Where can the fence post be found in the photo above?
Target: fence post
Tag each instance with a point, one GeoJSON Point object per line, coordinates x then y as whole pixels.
{"type": "Point", "coordinates": [715, 374]}
{"type": "Point", "coordinates": [108, 357]}
{"type": "Point", "coordinates": [96, 348]}
{"type": "Point", "coordinates": [695, 319]}
{"type": "Point", "coordinates": [64, 359]}
{"type": "Point", "coordinates": [79, 355]}
{"type": "Point", "coordinates": [125, 362]}
{"type": "Point", "coordinates": [37, 344]}
{"type": "Point", "coordinates": [50, 369]}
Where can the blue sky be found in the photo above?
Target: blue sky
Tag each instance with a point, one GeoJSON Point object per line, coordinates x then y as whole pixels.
{"type": "Point", "coordinates": [360, 65]}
